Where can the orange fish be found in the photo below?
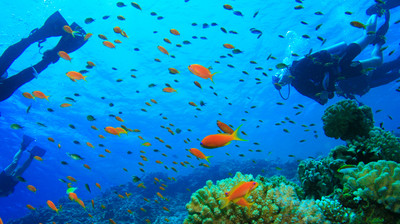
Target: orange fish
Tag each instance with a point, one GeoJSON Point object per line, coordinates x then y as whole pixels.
{"type": "Point", "coordinates": [242, 202]}
{"type": "Point", "coordinates": [52, 206]}
{"type": "Point", "coordinates": [163, 50]}
{"type": "Point", "coordinates": [165, 208]}
{"type": "Point", "coordinates": [64, 55]}
{"type": "Point", "coordinates": [107, 150]}
{"type": "Point", "coordinates": [112, 221]}
{"type": "Point", "coordinates": [87, 36]}
{"type": "Point", "coordinates": [81, 203]}
{"type": "Point", "coordinates": [167, 40]}
{"type": "Point", "coordinates": [117, 29]}
{"type": "Point", "coordinates": [121, 130]}
{"type": "Point", "coordinates": [199, 154]}
{"type": "Point", "coordinates": [38, 158]}
{"type": "Point", "coordinates": [28, 95]}
{"type": "Point", "coordinates": [219, 140]}
{"type": "Point", "coordinates": [192, 104]}
{"type": "Point", "coordinates": [228, 7]}
{"type": "Point", "coordinates": [94, 127]}
{"type": "Point", "coordinates": [229, 46]}
{"type": "Point", "coordinates": [154, 101]}
{"type": "Point", "coordinates": [50, 139]}
{"type": "Point", "coordinates": [108, 44]}
{"type": "Point", "coordinates": [159, 162]}
{"type": "Point", "coordinates": [174, 32]}
{"type": "Point", "coordinates": [69, 30]}
{"type": "Point", "coordinates": [30, 207]}
{"type": "Point", "coordinates": [92, 203]}
{"type": "Point", "coordinates": [173, 71]}
{"type": "Point", "coordinates": [123, 33]}
{"type": "Point", "coordinates": [91, 64]}
{"type": "Point", "coordinates": [71, 178]}
{"type": "Point", "coordinates": [102, 136]}
{"type": "Point", "coordinates": [160, 195]}
{"type": "Point", "coordinates": [31, 188]}
{"type": "Point", "coordinates": [119, 119]}
{"type": "Point", "coordinates": [90, 145]}
{"type": "Point", "coordinates": [146, 144]}
{"type": "Point", "coordinates": [201, 71]}
{"type": "Point", "coordinates": [73, 196]}
{"type": "Point", "coordinates": [103, 206]}
{"type": "Point", "coordinates": [65, 105]}
{"type": "Point", "coordinates": [101, 36]}
{"type": "Point", "coordinates": [111, 130]}
{"type": "Point", "coordinates": [169, 90]}
{"type": "Point", "coordinates": [102, 156]}
{"type": "Point", "coordinates": [87, 166]}
{"type": "Point", "coordinates": [73, 75]}
{"type": "Point", "coordinates": [357, 24]}
{"type": "Point", "coordinates": [224, 127]}
{"type": "Point", "coordinates": [40, 95]}
{"type": "Point", "coordinates": [98, 185]}
{"type": "Point", "coordinates": [117, 41]}
{"type": "Point", "coordinates": [241, 190]}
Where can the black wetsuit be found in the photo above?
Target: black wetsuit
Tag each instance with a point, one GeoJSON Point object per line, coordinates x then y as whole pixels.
{"type": "Point", "coordinates": [312, 71]}
{"type": "Point", "coordinates": [7, 184]}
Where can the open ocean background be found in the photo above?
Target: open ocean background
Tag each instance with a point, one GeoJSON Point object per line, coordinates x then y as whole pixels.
{"type": "Point", "coordinates": [232, 103]}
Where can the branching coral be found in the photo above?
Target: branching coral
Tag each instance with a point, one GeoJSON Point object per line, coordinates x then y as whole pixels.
{"type": "Point", "coordinates": [272, 204]}
{"type": "Point", "coordinates": [346, 120]}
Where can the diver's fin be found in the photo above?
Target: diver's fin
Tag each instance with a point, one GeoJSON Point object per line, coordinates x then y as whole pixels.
{"type": "Point", "coordinates": [51, 28]}
{"type": "Point", "coordinates": [37, 151]}
{"type": "Point", "coordinates": [26, 140]}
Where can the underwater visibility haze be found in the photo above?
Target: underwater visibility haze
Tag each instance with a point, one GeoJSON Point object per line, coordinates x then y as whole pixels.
{"type": "Point", "coordinates": [291, 160]}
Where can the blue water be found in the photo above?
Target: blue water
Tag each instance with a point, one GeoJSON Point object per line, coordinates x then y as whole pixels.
{"type": "Point", "coordinates": [129, 96]}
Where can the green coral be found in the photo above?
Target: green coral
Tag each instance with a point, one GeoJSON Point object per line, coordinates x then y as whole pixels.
{"type": "Point", "coordinates": [335, 211]}
{"type": "Point", "coordinates": [317, 177]}
{"type": "Point", "coordinates": [346, 120]}
{"type": "Point", "coordinates": [273, 203]}
{"type": "Point", "coordinates": [376, 182]}
{"type": "Point", "coordinates": [379, 145]}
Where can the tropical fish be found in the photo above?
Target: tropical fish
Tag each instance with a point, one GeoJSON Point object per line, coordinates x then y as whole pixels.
{"type": "Point", "coordinates": [173, 71]}
{"type": "Point", "coordinates": [69, 30]}
{"type": "Point", "coordinates": [219, 140]}
{"type": "Point", "coordinates": [163, 50]}
{"type": "Point", "coordinates": [357, 24]}
{"type": "Point", "coordinates": [228, 46]}
{"type": "Point", "coordinates": [52, 206]}
{"type": "Point", "coordinates": [16, 126]}
{"type": "Point", "coordinates": [111, 130]}
{"type": "Point", "coordinates": [75, 156]}
{"type": "Point", "coordinates": [65, 105]}
{"type": "Point", "coordinates": [201, 71]}
{"type": "Point", "coordinates": [30, 207]}
{"type": "Point", "coordinates": [199, 154]}
{"type": "Point", "coordinates": [64, 55]}
{"type": "Point", "coordinates": [87, 36]}
{"type": "Point", "coordinates": [136, 5]}
{"type": "Point", "coordinates": [169, 90]}
{"type": "Point", "coordinates": [31, 188]}
{"type": "Point", "coordinates": [241, 190]}
{"type": "Point", "coordinates": [347, 169]}
{"type": "Point", "coordinates": [28, 95]}
{"type": "Point", "coordinates": [40, 95]}
{"type": "Point", "coordinates": [224, 127]}
{"type": "Point", "coordinates": [73, 75]}
{"type": "Point", "coordinates": [174, 32]}
{"type": "Point", "coordinates": [108, 44]}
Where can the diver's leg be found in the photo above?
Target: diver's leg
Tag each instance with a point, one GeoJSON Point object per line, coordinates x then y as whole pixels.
{"type": "Point", "coordinates": [337, 49]}
{"type": "Point", "coordinates": [52, 27]}
{"type": "Point", "coordinates": [24, 166]}
{"type": "Point", "coordinates": [376, 59]}
{"type": "Point", "coordinates": [67, 43]}
{"type": "Point", "coordinates": [383, 79]}
{"type": "Point", "coordinates": [370, 33]}
{"type": "Point", "coordinates": [10, 168]}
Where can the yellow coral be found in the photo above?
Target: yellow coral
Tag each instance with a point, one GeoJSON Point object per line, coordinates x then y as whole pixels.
{"type": "Point", "coordinates": [272, 204]}
{"type": "Point", "coordinates": [377, 181]}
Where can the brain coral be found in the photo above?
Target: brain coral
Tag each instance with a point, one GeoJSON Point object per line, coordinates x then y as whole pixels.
{"type": "Point", "coordinates": [377, 182]}
{"type": "Point", "coordinates": [272, 204]}
{"type": "Point", "coordinates": [346, 120]}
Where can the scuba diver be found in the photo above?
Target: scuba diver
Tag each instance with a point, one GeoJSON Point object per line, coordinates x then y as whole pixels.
{"type": "Point", "coordinates": [11, 175]}
{"type": "Point", "coordinates": [321, 74]}
{"type": "Point", "coordinates": [54, 26]}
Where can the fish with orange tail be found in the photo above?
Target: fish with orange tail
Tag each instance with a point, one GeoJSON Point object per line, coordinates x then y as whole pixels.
{"type": "Point", "coordinates": [224, 127]}
{"type": "Point", "coordinates": [52, 206]}
{"type": "Point", "coordinates": [201, 71]}
{"type": "Point", "coordinates": [219, 140]}
{"type": "Point", "coordinates": [241, 191]}
{"type": "Point", "coordinates": [199, 154]}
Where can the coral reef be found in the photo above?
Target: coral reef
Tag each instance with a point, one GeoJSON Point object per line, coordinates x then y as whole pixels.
{"type": "Point", "coordinates": [274, 202]}
{"type": "Point", "coordinates": [376, 182]}
{"type": "Point", "coordinates": [379, 145]}
{"type": "Point", "coordinates": [335, 211]}
{"type": "Point", "coordinates": [317, 177]}
{"type": "Point", "coordinates": [346, 120]}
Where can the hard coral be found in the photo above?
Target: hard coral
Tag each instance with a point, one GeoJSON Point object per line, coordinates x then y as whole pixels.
{"type": "Point", "coordinates": [346, 120]}
{"type": "Point", "coordinates": [377, 182]}
{"type": "Point", "coordinates": [272, 204]}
